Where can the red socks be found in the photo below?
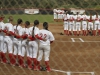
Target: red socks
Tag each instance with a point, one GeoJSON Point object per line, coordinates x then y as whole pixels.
{"type": "Point", "coordinates": [35, 63]}
{"type": "Point", "coordinates": [4, 60]}
{"type": "Point", "coordinates": [29, 62]}
{"type": "Point", "coordinates": [47, 65]}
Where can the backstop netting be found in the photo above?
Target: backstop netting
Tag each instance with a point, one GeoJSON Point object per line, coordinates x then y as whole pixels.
{"type": "Point", "coordinates": [70, 55]}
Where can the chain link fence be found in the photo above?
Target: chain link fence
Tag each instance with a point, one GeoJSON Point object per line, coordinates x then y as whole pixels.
{"type": "Point", "coordinates": [46, 6]}
{"type": "Point", "coordinates": [78, 57]}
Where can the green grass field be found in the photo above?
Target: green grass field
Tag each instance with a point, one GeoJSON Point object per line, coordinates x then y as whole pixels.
{"type": "Point", "coordinates": [31, 18]}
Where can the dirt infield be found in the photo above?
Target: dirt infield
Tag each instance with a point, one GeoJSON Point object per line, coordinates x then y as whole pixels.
{"type": "Point", "coordinates": [80, 55]}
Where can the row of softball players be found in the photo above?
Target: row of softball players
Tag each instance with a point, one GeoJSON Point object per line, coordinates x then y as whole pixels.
{"type": "Point", "coordinates": [18, 41]}
{"type": "Point", "coordinates": [81, 25]}
{"type": "Point", "coordinates": [58, 14]}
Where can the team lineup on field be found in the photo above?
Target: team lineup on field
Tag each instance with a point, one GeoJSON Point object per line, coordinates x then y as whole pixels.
{"type": "Point", "coordinates": [78, 24]}
{"type": "Point", "coordinates": [17, 41]}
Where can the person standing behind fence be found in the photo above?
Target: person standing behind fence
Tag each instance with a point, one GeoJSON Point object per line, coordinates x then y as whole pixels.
{"type": "Point", "coordinates": [8, 39]}
{"type": "Point", "coordinates": [55, 14]}
{"type": "Point", "coordinates": [2, 25]}
{"type": "Point", "coordinates": [99, 26]}
{"type": "Point", "coordinates": [84, 24]}
{"type": "Point", "coordinates": [71, 24]}
{"type": "Point", "coordinates": [33, 45]}
{"type": "Point", "coordinates": [17, 41]}
{"type": "Point", "coordinates": [90, 25]}
{"type": "Point", "coordinates": [25, 34]}
{"type": "Point", "coordinates": [44, 46]}
{"type": "Point", "coordinates": [66, 19]}
{"type": "Point", "coordinates": [59, 12]}
{"type": "Point", "coordinates": [78, 24]}
{"type": "Point", "coordinates": [96, 25]}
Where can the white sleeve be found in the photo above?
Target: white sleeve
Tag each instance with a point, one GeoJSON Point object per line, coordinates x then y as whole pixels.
{"type": "Point", "coordinates": [36, 31]}
{"type": "Point", "coordinates": [11, 28]}
{"type": "Point", "coordinates": [27, 31]}
{"type": "Point", "coordinates": [3, 26]}
{"type": "Point", "coordinates": [51, 37]}
{"type": "Point", "coordinates": [20, 30]}
{"type": "Point", "coordinates": [0, 26]}
{"type": "Point", "coordinates": [30, 31]}
{"type": "Point", "coordinates": [14, 28]}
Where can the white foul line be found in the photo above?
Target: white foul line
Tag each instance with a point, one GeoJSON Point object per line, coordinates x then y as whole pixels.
{"type": "Point", "coordinates": [58, 70]}
{"type": "Point", "coordinates": [92, 73]}
{"type": "Point", "coordinates": [81, 39]}
{"type": "Point", "coordinates": [91, 41]}
{"type": "Point", "coordinates": [69, 73]}
{"type": "Point", "coordinates": [73, 40]}
{"type": "Point", "coordinates": [76, 41]}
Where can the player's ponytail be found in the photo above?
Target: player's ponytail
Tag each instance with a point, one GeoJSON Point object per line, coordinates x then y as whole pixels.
{"type": "Point", "coordinates": [36, 22]}
{"type": "Point", "coordinates": [33, 31]}
{"type": "Point", "coordinates": [45, 25]}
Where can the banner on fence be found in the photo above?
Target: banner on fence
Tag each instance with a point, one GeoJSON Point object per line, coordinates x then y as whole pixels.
{"type": "Point", "coordinates": [31, 11]}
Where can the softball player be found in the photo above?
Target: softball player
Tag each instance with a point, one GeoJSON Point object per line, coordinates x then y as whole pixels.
{"type": "Point", "coordinates": [55, 14]}
{"type": "Point", "coordinates": [84, 25]}
{"type": "Point", "coordinates": [99, 26]}
{"type": "Point", "coordinates": [74, 25]}
{"type": "Point", "coordinates": [25, 33]}
{"type": "Point", "coordinates": [44, 46]}
{"type": "Point", "coordinates": [78, 24]}
{"type": "Point", "coordinates": [17, 40]}
{"type": "Point", "coordinates": [71, 24]}
{"type": "Point", "coordinates": [33, 45]}
{"type": "Point", "coordinates": [96, 24]}
{"type": "Point", "coordinates": [59, 14]}
{"type": "Point", "coordinates": [8, 39]}
{"type": "Point", "coordinates": [66, 18]}
{"type": "Point", "coordinates": [90, 24]}
{"type": "Point", "coordinates": [2, 25]}
{"type": "Point", "coordinates": [62, 14]}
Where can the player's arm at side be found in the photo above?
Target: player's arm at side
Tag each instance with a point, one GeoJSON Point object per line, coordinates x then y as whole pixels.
{"type": "Point", "coordinates": [51, 38]}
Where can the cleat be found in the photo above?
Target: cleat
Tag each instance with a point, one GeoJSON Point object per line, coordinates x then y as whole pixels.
{"type": "Point", "coordinates": [30, 67]}
{"type": "Point", "coordinates": [35, 68]}
{"type": "Point", "coordinates": [39, 68]}
{"type": "Point", "coordinates": [12, 64]}
{"type": "Point", "coordinates": [48, 69]}
{"type": "Point", "coordinates": [22, 66]}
